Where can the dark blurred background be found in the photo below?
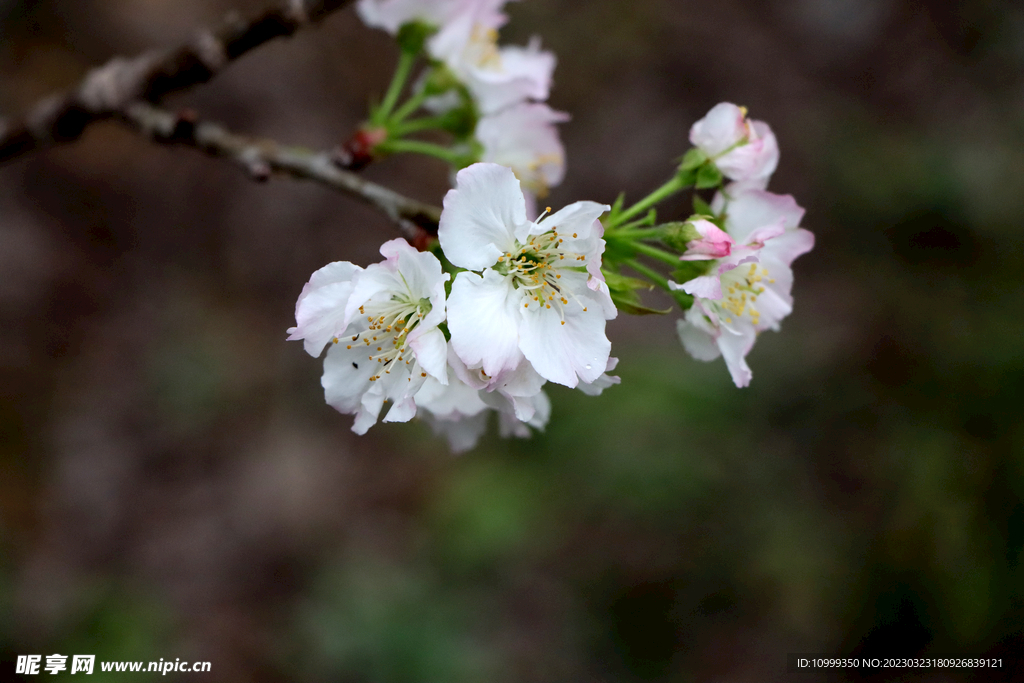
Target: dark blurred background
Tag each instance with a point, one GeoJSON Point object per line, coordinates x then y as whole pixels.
{"type": "Point", "coordinates": [173, 485]}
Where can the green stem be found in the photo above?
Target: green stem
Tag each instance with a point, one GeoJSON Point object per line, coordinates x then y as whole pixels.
{"type": "Point", "coordinates": [655, 253]}
{"type": "Point", "coordinates": [402, 71]}
{"type": "Point", "coordinates": [409, 106]}
{"type": "Point", "coordinates": [416, 125]}
{"type": "Point", "coordinates": [651, 274]}
{"type": "Point", "coordinates": [639, 233]}
{"type": "Point", "coordinates": [665, 191]}
{"type": "Point", "coordinates": [420, 147]}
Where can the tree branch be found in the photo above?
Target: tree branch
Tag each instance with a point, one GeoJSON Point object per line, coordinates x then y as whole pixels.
{"type": "Point", "coordinates": [154, 74]}
{"type": "Point", "coordinates": [261, 158]}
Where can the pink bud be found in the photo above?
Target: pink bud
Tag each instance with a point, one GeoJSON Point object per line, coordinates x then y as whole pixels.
{"type": "Point", "coordinates": [713, 243]}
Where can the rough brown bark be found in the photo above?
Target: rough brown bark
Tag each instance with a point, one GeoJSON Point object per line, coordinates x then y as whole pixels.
{"type": "Point", "coordinates": [262, 158]}
{"type": "Point", "coordinates": [111, 88]}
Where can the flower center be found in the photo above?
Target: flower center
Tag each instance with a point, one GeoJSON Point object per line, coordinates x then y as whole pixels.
{"type": "Point", "coordinates": [741, 288]}
{"type": "Point", "coordinates": [482, 49]}
{"type": "Point", "coordinates": [535, 267]}
{"type": "Point", "coordinates": [385, 332]}
{"type": "Point", "coordinates": [532, 175]}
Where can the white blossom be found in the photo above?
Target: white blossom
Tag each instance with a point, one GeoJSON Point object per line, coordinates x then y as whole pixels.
{"type": "Point", "coordinates": [537, 293]}
{"type": "Point", "coordinates": [524, 138]}
{"type": "Point", "coordinates": [741, 149]}
{"type": "Point", "coordinates": [748, 291]}
{"type": "Point", "coordinates": [382, 324]}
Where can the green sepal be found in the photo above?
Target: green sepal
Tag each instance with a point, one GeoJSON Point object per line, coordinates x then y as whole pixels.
{"type": "Point", "coordinates": [688, 270]}
{"type": "Point", "coordinates": [440, 80]}
{"type": "Point", "coordinates": [620, 282]}
{"type": "Point", "coordinates": [461, 121]}
{"type": "Point", "coordinates": [678, 234]}
{"type": "Point", "coordinates": [413, 36]}
{"type": "Point", "coordinates": [702, 207]}
{"type": "Point", "coordinates": [624, 291]}
{"type": "Point", "coordinates": [684, 300]}
{"type": "Point", "coordinates": [617, 204]}
{"type": "Point", "coordinates": [708, 175]}
{"type": "Point", "coordinates": [638, 309]}
{"type": "Point", "coordinates": [612, 217]}
{"type": "Point", "coordinates": [692, 160]}
{"type": "Point", "coordinates": [688, 178]}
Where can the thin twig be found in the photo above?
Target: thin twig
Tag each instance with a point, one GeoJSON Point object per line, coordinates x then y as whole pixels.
{"type": "Point", "coordinates": [261, 158]}
{"type": "Point", "coordinates": [152, 75]}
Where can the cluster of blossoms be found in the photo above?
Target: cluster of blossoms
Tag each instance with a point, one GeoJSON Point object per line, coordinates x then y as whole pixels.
{"type": "Point", "coordinates": [529, 308]}
{"type": "Point", "coordinates": [747, 278]}
{"type": "Point", "coordinates": [518, 299]}
{"type": "Point", "coordinates": [491, 97]}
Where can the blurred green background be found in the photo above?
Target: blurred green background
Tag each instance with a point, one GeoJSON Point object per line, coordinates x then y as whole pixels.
{"type": "Point", "coordinates": [174, 486]}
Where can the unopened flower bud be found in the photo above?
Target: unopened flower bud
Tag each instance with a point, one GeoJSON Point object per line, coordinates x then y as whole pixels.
{"type": "Point", "coordinates": [699, 239]}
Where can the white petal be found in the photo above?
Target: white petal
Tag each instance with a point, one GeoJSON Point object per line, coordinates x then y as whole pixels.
{"type": "Point", "coordinates": [484, 321]}
{"type": "Point", "coordinates": [570, 353]}
{"type": "Point", "coordinates": [524, 381]}
{"type": "Point", "coordinates": [450, 402]}
{"type": "Point", "coordinates": [787, 247]}
{"type": "Point", "coordinates": [481, 216]}
{"type": "Point", "coordinates": [370, 405]}
{"type": "Point", "coordinates": [603, 382]}
{"type": "Point", "coordinates": [346, 377]}
{"type": "Point", "coordinates": [775, 303]}
{"type": "Point", "coordinates": [419, 271]}
{"type": "Point", "coordinates": [509, 425]}
{"type": "Point", "coordinates": [698, 335]}
{"type": "Point", "coordinates": [578, 218]}
{"type": "Point", "coordinates": [719, 130]}
{"type": "Point", "coordinates": [402, 411]}
{"type": "Point", "coordinates": [462, 433]}
{"type": "Point", "coordinates": [541, 411]}
{"type": "Point", "coordinates": [524, 138]}
{"type": "Point", "coordinates": [705, 286]}
{"type": "Point", "coordinates": [735, 345]}
{"type": "Point", "coordinates": [320, 309]}
{"type": "Point", "coordinates": [376, 280]}
{"type": "Point", "coordinates": [753, 209]}
{"type": "Point", "coordinates": [431, 351]}
{"type": "Point", "coordinates": [521, 73]}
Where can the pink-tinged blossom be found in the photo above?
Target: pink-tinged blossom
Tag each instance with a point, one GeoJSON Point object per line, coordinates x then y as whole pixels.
{"type": "Point", "coordinates": [455, 21]}
{"type": "Point", "coordinates": [459, 410]}
{"type": "Point", "coordinates": [713, 243]}
{"type": "Point", "coordinates": [597, 387]}
{"type": "Point", "coordinates": [499, 77]}
{"type": "Point", "coordinates": [453, 410]}
{"type": "Point", "coordinates": [524, 138]}
{"type": "Point", "coordinates": [741, 149]}
{"type": "Point", "coordinates": [534, 294]}
{"type": "Point", "coordinates": [382, 326]}
{"type": "Point", "coordinates": [748, 291]}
